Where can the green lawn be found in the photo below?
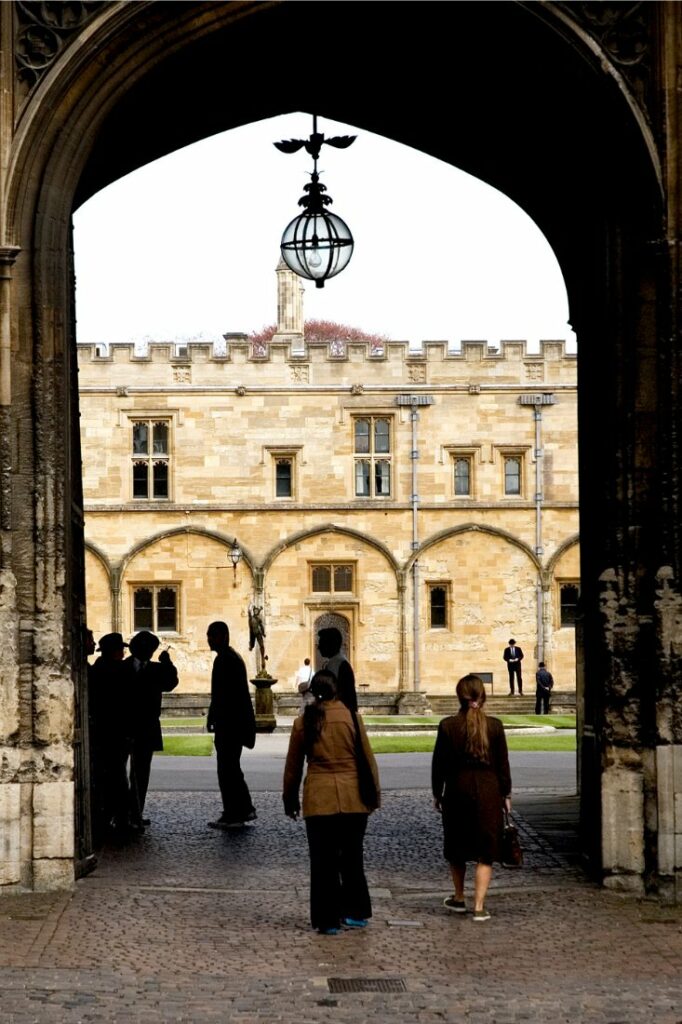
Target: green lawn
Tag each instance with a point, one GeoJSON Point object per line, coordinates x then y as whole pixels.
{"type": "Point", "coordinates": [183, 723]}
{"type": "Point", "coordinates": [202, 746]}
{"type": "Point", "coordinates": [558, 721]}
{"type": "Point", "coordinates": [424, 744]}
{"type": "Point", "coordinates": [187, 746]}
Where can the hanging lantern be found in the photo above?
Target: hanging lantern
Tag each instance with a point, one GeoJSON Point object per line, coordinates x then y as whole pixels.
{"type": "Point", "coordinates": [317, 244]}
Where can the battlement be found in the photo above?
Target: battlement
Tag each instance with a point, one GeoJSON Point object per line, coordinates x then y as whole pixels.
{"type": "Point", "coordinates": [240, 349]}
{"type": "Point", "coordinates": [242, 365]}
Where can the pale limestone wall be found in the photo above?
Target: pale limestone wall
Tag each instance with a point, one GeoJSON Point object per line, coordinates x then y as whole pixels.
{"type": "Point", "coordinates": [98, 596]}
{"type": "Point", "coordinates": [231, 418]}
{"type": "Point", "coordinates": [560, 657]}
{"type": "Point", "coordinates": [372, 612]}
{"type": "Point", "coordinates": [491, 597]}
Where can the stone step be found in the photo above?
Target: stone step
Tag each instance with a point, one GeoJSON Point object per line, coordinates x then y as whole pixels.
{"type": "Point", "coordinates": [195, 705]}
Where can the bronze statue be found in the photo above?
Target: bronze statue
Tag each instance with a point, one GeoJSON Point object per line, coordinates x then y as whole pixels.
{"type": "Point", "coordinates": [257, 635]}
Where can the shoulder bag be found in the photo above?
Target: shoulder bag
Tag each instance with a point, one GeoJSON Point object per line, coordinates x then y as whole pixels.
{"type": "Point", "coordinates": [366, 783]}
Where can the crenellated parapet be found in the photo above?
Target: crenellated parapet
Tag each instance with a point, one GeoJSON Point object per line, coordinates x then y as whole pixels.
{"type": "Point", "coordinates": [241, 362]}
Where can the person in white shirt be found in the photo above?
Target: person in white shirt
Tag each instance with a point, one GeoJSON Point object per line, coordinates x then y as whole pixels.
{"type": "Point", "coordinates": [303, 677]}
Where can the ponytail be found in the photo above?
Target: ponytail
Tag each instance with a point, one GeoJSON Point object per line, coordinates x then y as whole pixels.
{"type": "Point", "coordinates": [323, 687]}
{"type": "Point", "coordinates": [471, 693]}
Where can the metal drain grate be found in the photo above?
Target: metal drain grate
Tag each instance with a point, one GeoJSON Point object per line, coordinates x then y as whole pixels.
{"type": "Point", "coordinates": [366, 985]}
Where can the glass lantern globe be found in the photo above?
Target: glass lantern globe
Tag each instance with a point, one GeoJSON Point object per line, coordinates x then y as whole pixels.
{"type": "Point", "coordinates": [317, 245]}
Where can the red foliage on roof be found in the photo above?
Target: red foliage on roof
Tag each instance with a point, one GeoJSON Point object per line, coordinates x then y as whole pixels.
{"type": "Point", "coordinates": [322, 331]}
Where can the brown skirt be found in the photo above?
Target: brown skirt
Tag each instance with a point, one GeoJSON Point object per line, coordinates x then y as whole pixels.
{"type": "Point", "coordinates": [472, 817]}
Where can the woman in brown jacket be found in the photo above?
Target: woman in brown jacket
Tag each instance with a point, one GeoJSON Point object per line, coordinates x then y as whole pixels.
{"type": "Point", "coordinates": [471, 783]}
{"type": "Point", "coordinates": [340, 765]}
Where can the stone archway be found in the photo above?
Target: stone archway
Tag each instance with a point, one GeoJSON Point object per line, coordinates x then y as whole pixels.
{"type": "Point", "coordinates": [329, 620]}
{"type": "Point", "coordinates": [545, 102]}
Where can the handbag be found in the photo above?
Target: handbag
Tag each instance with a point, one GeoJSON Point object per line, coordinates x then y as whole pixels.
{"type": "Point", "coordinates": [366, 784]}
{"type": "Point", "coordinates": [512, 854]}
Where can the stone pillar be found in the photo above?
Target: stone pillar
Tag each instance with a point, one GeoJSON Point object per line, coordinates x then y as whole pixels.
{"type": "Point", "coordinates": [289, 307]}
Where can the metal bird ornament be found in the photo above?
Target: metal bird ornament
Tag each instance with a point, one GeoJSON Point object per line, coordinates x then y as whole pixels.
{"type": "Point", "coordinates": [314, 144]}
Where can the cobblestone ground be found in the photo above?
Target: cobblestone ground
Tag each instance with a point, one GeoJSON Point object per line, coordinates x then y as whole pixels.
{"type": "Point", "coordinates": [189, 924]}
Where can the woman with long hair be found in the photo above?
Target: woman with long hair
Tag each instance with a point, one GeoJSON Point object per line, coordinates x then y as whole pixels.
{"type": "Point", "coordinates": [340, 791]}
{"type": "Point", "coordinates": [471, 784]}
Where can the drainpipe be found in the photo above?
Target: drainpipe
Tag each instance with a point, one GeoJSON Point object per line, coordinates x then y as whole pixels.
{"type": "Point", "coordinates": [414, 401]}
{"type": "Point", "coordinates": [537, 401]}
{"type": "Point", "coordinates": [414, 416]}
{"type": "Point", "coordinates": [537, 415]}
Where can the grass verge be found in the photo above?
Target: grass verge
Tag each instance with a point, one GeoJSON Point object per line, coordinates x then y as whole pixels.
{"type": "Point", "coordinates": [424, 744]}
{"type": "Point", "coordinates": [183, 723]}
{"type": "Point", "coordinates": [187, 746]}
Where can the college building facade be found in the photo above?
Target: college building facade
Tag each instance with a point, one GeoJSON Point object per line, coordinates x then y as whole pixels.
{"type": "Point", "coordinates": [425, 502]}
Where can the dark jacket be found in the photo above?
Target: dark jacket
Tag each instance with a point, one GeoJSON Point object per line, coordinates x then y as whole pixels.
{"type": "Point", "coordinates": [544, 679]}
{"type": "Point", "coordinates": [340, 666]}
{"type": "Point", "coordinates": [230, 713]}
{"type": "Point", "coordinates": [145, 688]}
{"type": "Point", "coordinates": [517, 650]}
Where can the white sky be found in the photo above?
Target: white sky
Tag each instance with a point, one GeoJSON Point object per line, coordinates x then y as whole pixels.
{"type": "Point", "coordinates": [187, 246]}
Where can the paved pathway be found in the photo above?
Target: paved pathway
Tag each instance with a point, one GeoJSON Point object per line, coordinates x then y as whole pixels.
{"type": "Point", "coordinates": [189, 924]}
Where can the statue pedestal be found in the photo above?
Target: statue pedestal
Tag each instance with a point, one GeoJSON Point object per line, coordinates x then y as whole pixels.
{"type": "Point", "coordinates": [410, 703]}
{"type": "Point", "coordinates": [265, 707]}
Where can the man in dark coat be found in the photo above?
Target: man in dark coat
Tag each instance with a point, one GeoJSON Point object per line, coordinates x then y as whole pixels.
{"type": "Point", "coordinates": [513, 655]}
{"type": "Point", "coordinates": [544, 681]}
{"type": "Point", "coordinates": [147, 680]}
{"type": "Point", "coordinates": [232, 721]}
{"type": "Point", "coordinates": [109, 707]}
{"type": "Point", "coordinates": [329, 645]}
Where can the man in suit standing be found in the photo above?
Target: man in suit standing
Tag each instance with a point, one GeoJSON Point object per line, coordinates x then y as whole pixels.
{"type": "Point", "coordinates": [544, 682]}
{"type": "Point", "coordinates": [146, 680]}
{"type": "Point", "coordinates": [232, 721]}
{"type": "Point", "coordinates": [513, 655]}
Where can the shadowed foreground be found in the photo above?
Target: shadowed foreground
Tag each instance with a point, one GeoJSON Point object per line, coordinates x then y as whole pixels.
{"type": "Point", "coordinates": [189, 924]}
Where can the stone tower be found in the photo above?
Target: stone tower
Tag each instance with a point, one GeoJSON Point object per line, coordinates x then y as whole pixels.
{"type": "Point", "coordinates": [289, 307]}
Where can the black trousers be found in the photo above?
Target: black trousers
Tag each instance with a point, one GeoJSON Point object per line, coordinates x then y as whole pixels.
{"type": "Point", "coordinates": [140, 769]}
{"type": "Point", "coordinates": [338, 887]}
{"type": "Point", "coordinates": [514, 668]}
{"type": "Point", "coordinates": [541, 702]}
{"type": "Point", "coordinates": [237, 805]}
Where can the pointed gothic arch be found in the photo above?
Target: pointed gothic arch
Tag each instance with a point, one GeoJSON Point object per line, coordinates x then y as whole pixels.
{"type": "Point", "coordinates": [75, 124]}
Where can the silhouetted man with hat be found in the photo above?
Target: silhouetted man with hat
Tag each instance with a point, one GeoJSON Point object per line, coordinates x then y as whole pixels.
{"type": "Point", "coordinates": [108, 739]}
{"type": "Point", "coordinates": [147, 681]}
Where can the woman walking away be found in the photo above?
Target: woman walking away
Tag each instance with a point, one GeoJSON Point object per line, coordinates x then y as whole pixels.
{"type": "Point", "coordinates": [471, 783]}
{"type": "Point", "coordinates": [340, 791]}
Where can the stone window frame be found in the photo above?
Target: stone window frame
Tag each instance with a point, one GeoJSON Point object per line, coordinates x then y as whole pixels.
{"type": "Point", "coordinates": [519, 452]}
{"type": "Point", "coordinates": [446, 586]}
{"type": "Point", "coordinates": [277, 453]}
{"type": "Point", "coordinates": [155, 586]}
{"type": "Point", "coordinates": [133, 416]}
{"type": "Point", "coordinates": [372, 456]}
{"type": "Point", "coordinates": [471, 452]}
{"type": "Point", "coordinates": [332, 564]}
{"type": "Point", "coordinates": [562, 584]}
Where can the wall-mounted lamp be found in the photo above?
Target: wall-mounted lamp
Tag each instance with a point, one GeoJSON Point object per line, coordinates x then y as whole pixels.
{"type": "Point", "coordinates": [316, 244]}
{"type": "Point", "coordinates": [235, 558]}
